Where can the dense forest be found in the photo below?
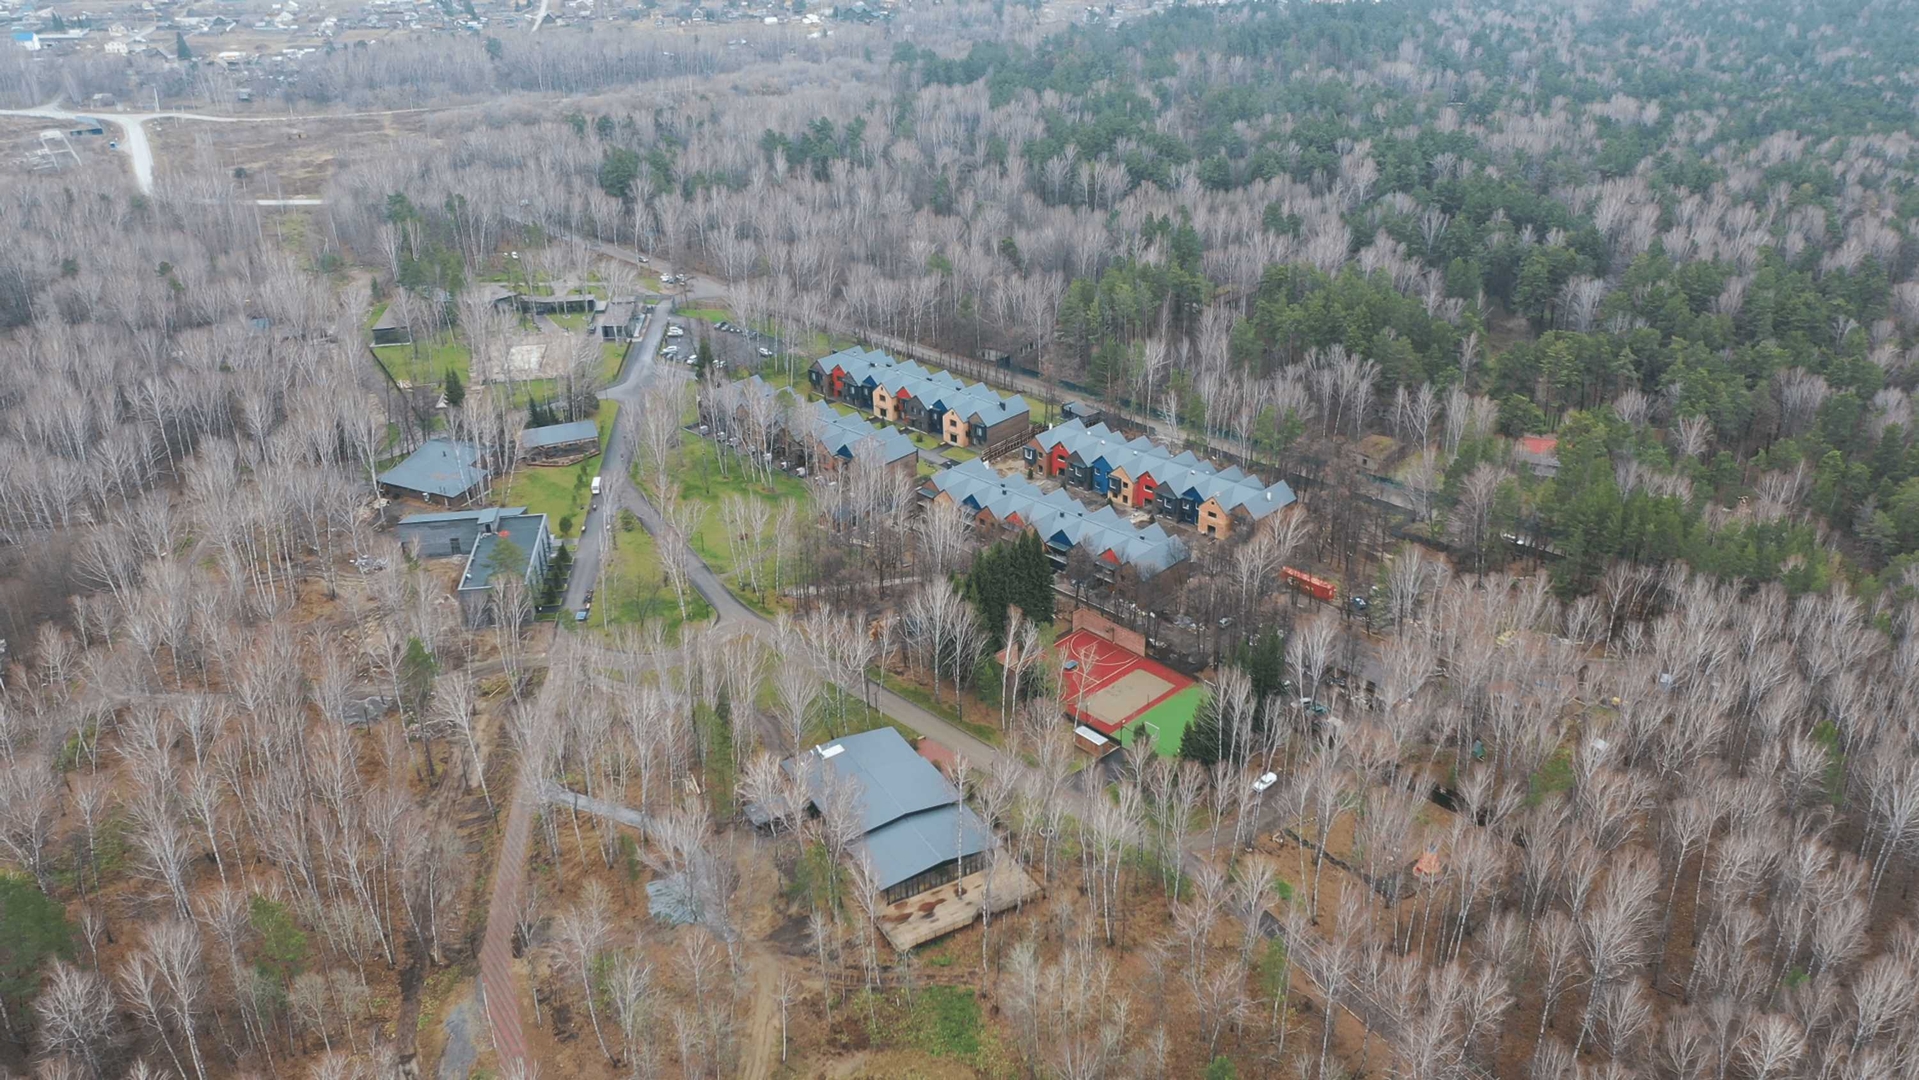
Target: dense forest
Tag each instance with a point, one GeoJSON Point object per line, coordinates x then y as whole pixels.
{"type": "Point", "coordinates": [1585, 331]}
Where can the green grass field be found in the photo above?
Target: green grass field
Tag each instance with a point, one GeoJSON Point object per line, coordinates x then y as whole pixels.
{"type": "Point", "coordinates": [633, 589]}
{"type": "Point", "coordinates": [705, 314]}
{"type": "Point", "coordinates": [701, 483]}
{"type": "Point", "coordinates": [564, 491]}
{"type": "Point", "coordinates": [522, 393]}
{"type": "Point", "coordinates": [426, 363]}
{"type": "Point", "coordinates": [1167, 720]}
{"type": "Point", "coordinates": [556, 492]}
{"type": "Point", "coordinates": [571, 320]}
{"type": "Point", "coordinates": [612, 354]}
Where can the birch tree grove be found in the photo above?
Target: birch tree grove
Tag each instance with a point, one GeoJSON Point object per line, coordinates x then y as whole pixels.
{"type": "Point", "coordinates": [1555, 718]}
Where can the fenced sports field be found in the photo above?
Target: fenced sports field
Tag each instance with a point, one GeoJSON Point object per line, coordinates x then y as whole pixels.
{"type": "Point", "coordinates": [1120, 693]}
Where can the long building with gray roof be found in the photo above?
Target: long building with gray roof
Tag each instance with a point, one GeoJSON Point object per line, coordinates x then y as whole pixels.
{"type": "Point", "coordinates": [924, 399]}
{"type": "Point", "coordinates": [1141, 473]}
{"type": "Point", "coordinates": [916, 832]}
{"type": "Point", "coordinates": [1061, 521]}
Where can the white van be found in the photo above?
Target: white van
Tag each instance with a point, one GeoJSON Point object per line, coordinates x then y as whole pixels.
{"type": "Point", "coordinates": [596, 486]}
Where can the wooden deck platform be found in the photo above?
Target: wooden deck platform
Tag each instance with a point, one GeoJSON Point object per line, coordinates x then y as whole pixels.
{"type": "Point", "coordinates": [938, 912]}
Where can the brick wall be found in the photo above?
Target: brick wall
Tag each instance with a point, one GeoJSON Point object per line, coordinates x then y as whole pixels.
{"type": "Point", "coordinates": [1085, 618]}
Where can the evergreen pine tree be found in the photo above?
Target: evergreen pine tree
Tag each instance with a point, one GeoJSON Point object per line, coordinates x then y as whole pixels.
{"type": "Point", "coordinates": [1034, 577]}
{"type": "Point", "coordinates": [180, 46]}
{"type": "Point", "coordinates": [455, 390]}
{"type": "Point", "coordinates": [986, 586]}
{"type": "Point", "coordinates": [1201, 740]}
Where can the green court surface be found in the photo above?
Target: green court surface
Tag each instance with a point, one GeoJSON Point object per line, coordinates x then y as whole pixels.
{"type": "Point", "coordinates": [1167, 721]}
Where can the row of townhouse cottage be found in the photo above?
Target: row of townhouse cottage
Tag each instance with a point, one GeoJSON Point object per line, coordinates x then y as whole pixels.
{"type": "Point", "coordinates": [1144, 475]}
{"type": "Point", "coordinates": [1140, 480]}
{"type": "Point", "coordinates": [828, 440]}
{"type": "Point", "coordinates": [936, 402]}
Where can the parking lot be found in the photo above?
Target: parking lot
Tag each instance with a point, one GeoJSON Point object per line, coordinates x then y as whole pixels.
{"type": "Point", "coordinates": [734, 349]}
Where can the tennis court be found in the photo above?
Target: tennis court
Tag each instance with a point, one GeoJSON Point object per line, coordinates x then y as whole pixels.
{"type": "Point", "coordinates": [1110, 689]}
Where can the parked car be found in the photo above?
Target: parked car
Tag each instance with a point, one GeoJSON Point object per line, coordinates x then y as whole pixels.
{"type": "Point", "coordinates": [580, 615]}
{"type": "Point", "coordinates": [1265, 781]}
{"type": "Point", "coordinates": [674, 331]}
{"type": "Point", "coordinates": [765, 352]}
{"type": "Point", "coordinates": [670, 351]}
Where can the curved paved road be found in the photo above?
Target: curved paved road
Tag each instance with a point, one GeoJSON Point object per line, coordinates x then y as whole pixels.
{"type": "Point", "coordinates": [635, 390]}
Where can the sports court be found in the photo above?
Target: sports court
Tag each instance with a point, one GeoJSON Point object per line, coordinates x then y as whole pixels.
{"type": "Point", "coordinates": [1116, 691]}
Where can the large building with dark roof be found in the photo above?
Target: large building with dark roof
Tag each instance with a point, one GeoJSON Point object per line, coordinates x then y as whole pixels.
{"type": "Point", "coordinates": [475, 536]}
{"type": "Point", "coordinates": [918, 834]}
{"type": "Point", "coordinates": [441, 470]}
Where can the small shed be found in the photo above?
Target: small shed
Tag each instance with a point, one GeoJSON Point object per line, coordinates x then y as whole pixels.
{"type": "Point", "coordinates": [1539, 453]}
{"type": "Point", "coordinates": [1083, 412]}
{"type": "Point", "coordinates": [581, 438]}
{"type": "Point", "coordinates": [390, 328]}
{"type": "Point", "coordinates": [1378, 453]}
{"type": "Point", "coordinates": [1093, 742]}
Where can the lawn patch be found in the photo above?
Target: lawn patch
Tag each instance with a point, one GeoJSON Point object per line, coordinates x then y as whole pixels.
{"type": "Point", "coordinates": [612, 358]}
{"type": "Point", "coordinates": [945, 1022]}
{"type": "Point", "coordinates": [1555, 776]}
{"type": "Point", "coordinates": [702, 484]}
{"type": "Point", "coordinates": [562, 492]}
{"type": "Point", "coordinates": [633, 588]}
{"type": "Point", "coordinates": [426, 363]}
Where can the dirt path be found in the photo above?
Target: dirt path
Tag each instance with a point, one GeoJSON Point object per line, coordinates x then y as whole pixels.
{"type": "Point", "coordinates": [760, 1049]}
{"type": "Point", "coordinates": [499, 990]}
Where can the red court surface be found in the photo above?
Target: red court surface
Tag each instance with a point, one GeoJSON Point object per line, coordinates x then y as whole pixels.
{"type": "Point", "coordinates": [1107, 687]}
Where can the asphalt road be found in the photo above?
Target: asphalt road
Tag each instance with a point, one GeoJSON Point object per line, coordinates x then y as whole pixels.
{"type": "Point", "coordinates": [616, 488]}
{"type": "Point", "coordinates": [638, 378]}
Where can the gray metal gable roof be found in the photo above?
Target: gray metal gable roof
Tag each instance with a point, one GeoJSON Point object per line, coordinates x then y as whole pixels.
{"type": "Point", "coordinates": [557, 434]}
{"type": "Point", "coordinates": [461, 515]}
{"type": "Point", "coordinates": [893, 780]}
{"type": "Point", "coordinates": [1058, 517]}
{"type": "Point", "coordinates": [913, 845]}
{"type": "Point", "coordinates": [843, 434]}
{"type": "Point", "coordinates": [931, 386]}
{"type": "Point", "coordinates": [439, 467]}
{"type": "Point", "coordinates": [524, 531]}
{"type": "Point", "coordinates": [913, 818]}
{"type": "Point", "coordinates": [1186, 473]}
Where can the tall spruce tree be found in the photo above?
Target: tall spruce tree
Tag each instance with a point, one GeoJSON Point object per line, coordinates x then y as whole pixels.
{"type": "Point", "coordinates": [1012, 572]}
{"type": "Point", "coordinates": [1202, 738]}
